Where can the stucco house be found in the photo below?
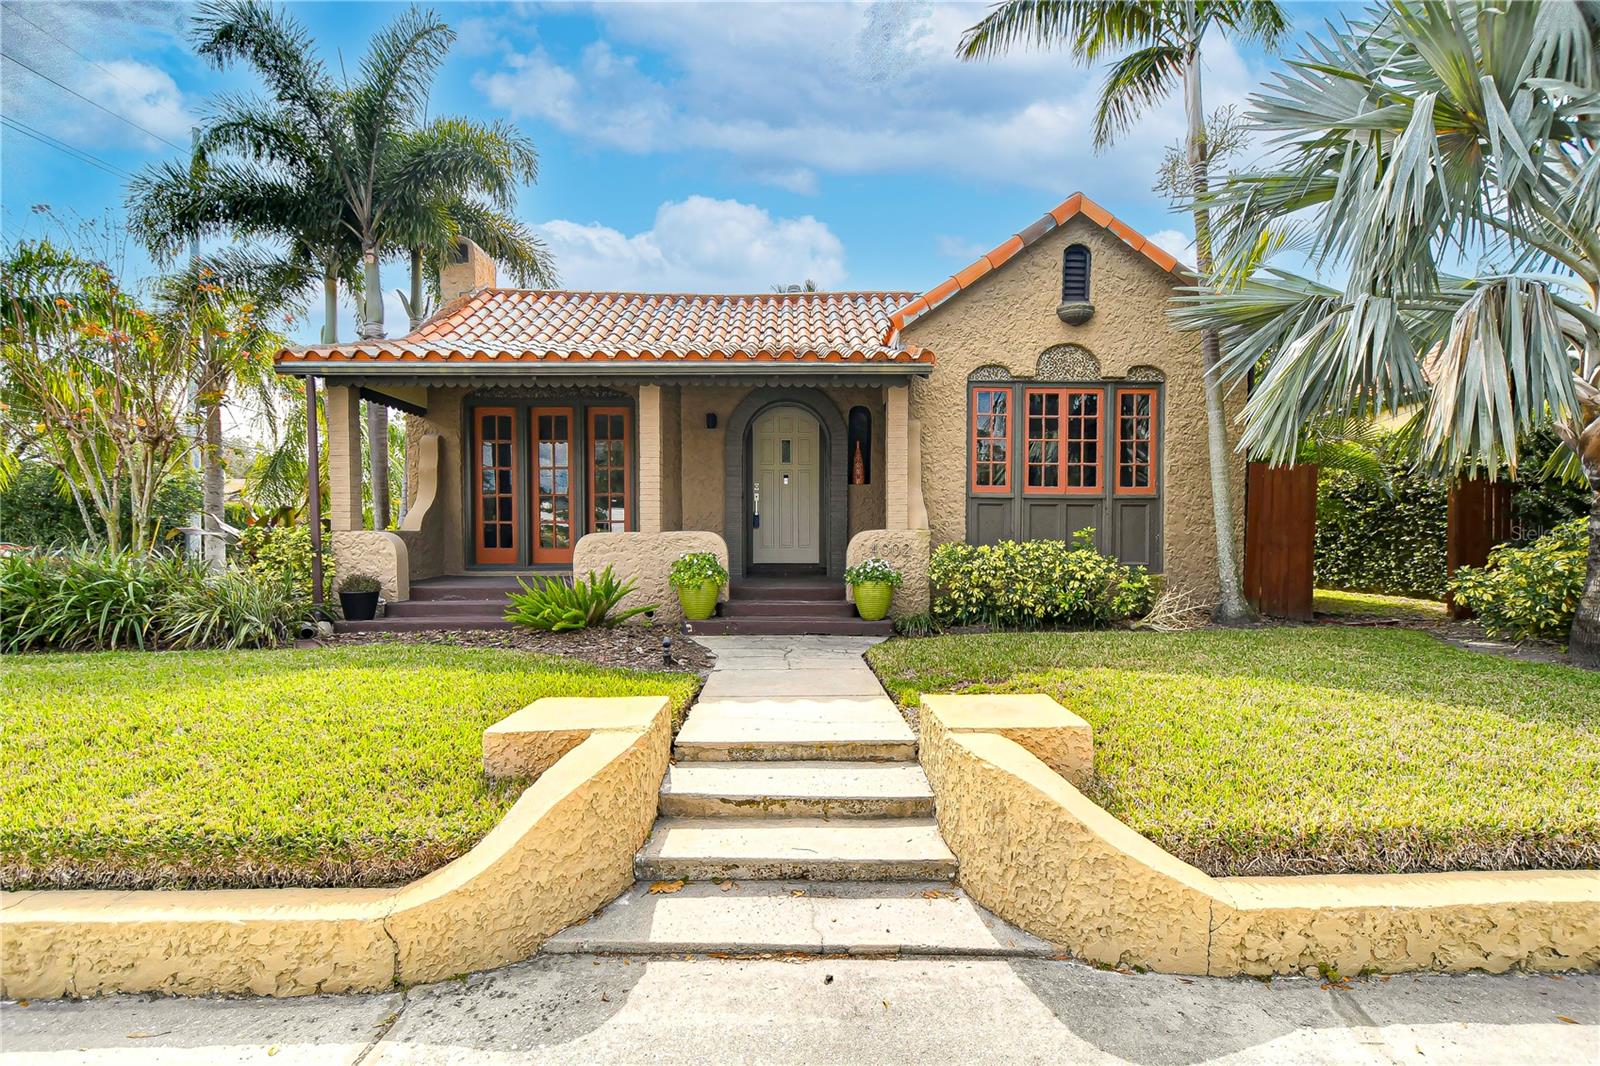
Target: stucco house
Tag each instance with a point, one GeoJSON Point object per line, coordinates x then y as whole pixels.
{"type": "Point", "coordinates": [1037, 392]}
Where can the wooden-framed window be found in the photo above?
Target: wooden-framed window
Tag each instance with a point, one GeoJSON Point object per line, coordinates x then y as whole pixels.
{"type": "Point", "coordinates": [552, 533]}
{"type": "Point", "coordinates": [991, 440]}
{"type": "Point", "coordinates": [1041, 440]}
{"type": "Point", "coordinates": [495, 485]}
{"type": "Point", "coordinates": [1136, 442]}
{"type": "Point", "coordinates": [609, 438]}
{"type": "Point", "coordinates": [1081, 443]}
{"type": "Point", "coordinates": [1075, 275]}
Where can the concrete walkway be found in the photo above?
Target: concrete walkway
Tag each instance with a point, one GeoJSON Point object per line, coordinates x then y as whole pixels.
{"type": "Point", "coordinates": [586, 1009]}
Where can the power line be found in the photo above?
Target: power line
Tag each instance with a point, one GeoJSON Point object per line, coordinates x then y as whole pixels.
{"type": "Point", "coordinates": [15, 9]}
{"type": "Point", "coordinates": [86, 100]}
{"type": "Point", "coordinates": [61, 146]}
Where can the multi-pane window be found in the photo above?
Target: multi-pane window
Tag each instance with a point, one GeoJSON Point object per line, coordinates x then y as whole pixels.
{"type": "Point", "coordinates": [552, 540]}
{"type": "Point", "coordinates": [1082, 451]}
{"type": "Point", "coordinates": [1136, 421]}
{"type": "Point", "coordinates": [1043, 440]}
{"type": "Point", "coordinates": [991, 440]}
{"type": "Point", "coordinates": [608, 466]}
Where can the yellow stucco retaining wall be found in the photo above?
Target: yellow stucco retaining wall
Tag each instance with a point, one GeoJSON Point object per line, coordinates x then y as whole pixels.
{"type": "Point", "coordinates": [564, 849]}
{"type": "Point", "coordinates": [1040, 854]}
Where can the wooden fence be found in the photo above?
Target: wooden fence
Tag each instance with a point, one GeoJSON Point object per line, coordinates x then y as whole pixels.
{"type": "Point", "coordinates": [1479, 519]}
{"type": "Point", "coordinates": [1280, 539]}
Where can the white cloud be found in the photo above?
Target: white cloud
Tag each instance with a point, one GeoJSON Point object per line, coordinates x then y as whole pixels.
{"type": "Point", "coordinates": [700, 245]}
{"type": "Point", "coordinates": [958, 247]}
{"type": "Point", "coordinates": [799, 180]}
{"type": "Point", "coordinates": [1175, 242]}
{"type": "Point", "coordinates": [790, 90]}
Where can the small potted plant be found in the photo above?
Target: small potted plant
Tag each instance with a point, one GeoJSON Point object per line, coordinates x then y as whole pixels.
{"type": "Point", "coordinates": [358, 595]}
{"type": "Point", "coordinates": [698, 578]}
{"type": "Point", "coordinates": [873, 581]}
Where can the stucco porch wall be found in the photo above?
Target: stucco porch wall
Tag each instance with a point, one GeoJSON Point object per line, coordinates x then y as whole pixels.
{"type": "Point", "coordinates": [1008, 318]}
{"type": "Point", "coordinates": [564, 849]}
{"type": "Point", "coordinates": [1040, 854]}
{"type": "Point", "coordinates": [646, 559]}
{"type": "Point", "coordinates": [907, 551]}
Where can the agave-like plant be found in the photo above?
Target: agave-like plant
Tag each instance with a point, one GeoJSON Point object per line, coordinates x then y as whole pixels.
{"type": "Point", "coordinates": [1442, 156]}
{"type": "Point", "coordinates": [555, 606]}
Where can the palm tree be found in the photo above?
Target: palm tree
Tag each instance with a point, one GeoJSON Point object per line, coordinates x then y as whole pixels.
{"type": "Point", "coordinates": [1426, 134]}
{"type": "Point", "coordinates": [1165, 38]}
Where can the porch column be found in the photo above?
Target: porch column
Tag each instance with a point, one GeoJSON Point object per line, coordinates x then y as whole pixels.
{"type": "Point", "coordinates": [342, 408]}
{"type": "Point", "coordinates": [650, 457]}
{"type": "Point", "coordinates": [896, 467]}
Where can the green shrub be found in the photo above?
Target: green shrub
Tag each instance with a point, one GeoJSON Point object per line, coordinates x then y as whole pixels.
{"type": "Point", "coordinates": [693, 569]}
{"type": "Point", "coordinates": [93, 600]}
{"type": "Point", "coordinates": [284, 553]}
{"type": "Point", "coordinates": [1029, 584]}
{"type": "Point", "coordinates": [551, 604]}
{"type": "Point", "coordinates": [1381, 537]}
{"type": "Point", "coordinates": [1532, 591]}
{"type": "Point", "coordinates": [36, 512]}
{"type": "Point", "coordinates": [356, 584]}
{"type": "Point", "coordinates": [872, 570]}
{"type": "Point", "coordinates": [917, 625]}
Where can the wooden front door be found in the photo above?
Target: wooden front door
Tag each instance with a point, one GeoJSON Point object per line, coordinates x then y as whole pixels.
{"type": "Point", "coordinates": [785, 444]}
{"type": "Point", "coordinates": [552, 484]}
{"type": "Point", "coordinates": [497, 486]}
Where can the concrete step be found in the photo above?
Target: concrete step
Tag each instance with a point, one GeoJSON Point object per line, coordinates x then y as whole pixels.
{"type": "Point", "coordinates": [778, 589]}
{"type": "Point", "coordinates": [422, 625]}
{"type": "Point", "coordinates": [791, 625]}
{"type": "Point", "coordinates": [798, 917]}
{"type": "Point", "coordinates": [447, 608]}
{"type": "Point", "coordinates": [464, 588]}
{"type": "Point", "coordinates": [788, 609]}
{"type": "Point", "coordinates": [797, 849]}
{"type": "Point", "coordinates": [796, 789]}
{"type": "Point", "coordinates": [794, 729]}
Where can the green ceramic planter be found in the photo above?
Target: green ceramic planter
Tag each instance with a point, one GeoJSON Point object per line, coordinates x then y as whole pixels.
{"type": "Point", "coordinates": [699, 603]}
{"type": "Point", "coordinates": [872, 599]}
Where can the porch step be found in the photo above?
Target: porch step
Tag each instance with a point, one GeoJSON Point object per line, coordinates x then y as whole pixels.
{"type": "Point", "coordinates": [783, 729]}
{"type": "Point", "coordinates": [795, 849]}
{"type": "Point", "coordinates": [465, 587]}
{"type": "Point", "coordinates": [414, 608]}
{"type": "Point", "coordinates": [796, 789]}
{"type": "Point", "coordinates": [788, 609]}
{"type": "Point", "coordinates": [423, 625]}
{"type": "Point", "coordinates": [786, 589]}
{"type": "Point", "coordinates": [791, 625]}
{"type": "Point", "coordinates": [798, 917]}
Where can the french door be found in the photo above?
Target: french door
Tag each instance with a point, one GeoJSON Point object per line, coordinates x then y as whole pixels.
{"type": "Point", "coordinates": [552, 484]}
{"type": "Point", "coordinates": [497, 484]}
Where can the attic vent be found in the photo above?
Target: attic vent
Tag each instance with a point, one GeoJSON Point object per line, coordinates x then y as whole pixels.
{"type": "Point", "coordinates": [1075, 275]}
{"type": "Point", "coordinates": [460, 251]}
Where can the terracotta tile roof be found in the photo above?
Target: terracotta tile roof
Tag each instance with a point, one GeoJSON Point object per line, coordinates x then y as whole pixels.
{"type": "Point", "coordinates": [1071, 207]}
{"type": "Point", "coordinates": [535, 325]}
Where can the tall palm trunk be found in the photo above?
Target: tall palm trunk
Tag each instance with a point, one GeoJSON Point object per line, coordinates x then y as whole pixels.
{"type": "Point", "coordinates": [415, 312]}
{"type": "Point", "coordinates": [1584, 642]}
{"type": "Point", "coordinates": [377, 414]}
{"type": "Point", "coordinates": [214, 547]}
{"type": "Point", "coordinates": [1231, 606]}
{"type": "Point", "coordinates": [330, 307]}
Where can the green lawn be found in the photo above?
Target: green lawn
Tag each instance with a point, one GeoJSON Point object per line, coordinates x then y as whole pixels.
{"type": "Point", "coordinates": [1377, 605]}
{"type": "Point", "coordinates": [1308, 749]}
{"type": "Point", "coordinates": [355, 765]}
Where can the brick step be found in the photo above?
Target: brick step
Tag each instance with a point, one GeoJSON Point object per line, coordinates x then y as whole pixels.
{"type": "Point", "coordinates": [798, 917]}
{"type": "Point", "coordinates": [796, 790]}
{"type": "Point", "coordinates": [446, 608]}
{"type": "Point", "coordinates": [795, 849]}
{"type": "Point", "coordinates": [792, 625]}
{"type": "Point", "coordinates": [422, 625]}
{"type": "Point", "coordinates": [788, 609]}
{"type": "Point", "coordinates": [763, 590]}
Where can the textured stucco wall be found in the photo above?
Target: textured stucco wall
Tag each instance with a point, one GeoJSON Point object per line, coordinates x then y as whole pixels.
{"type": "Point", "coordinates": [564, 849]}
{"type": "Point", "coordinates": [647, 559]}
{"type": "Point", "coordinates": [376, 553]}
{"type": "Point", "coordinates": [907, 551]}
{"type": "Point", "coordinates": [1009, 317]}
{"type": "Point", "coordinates": [444, 533]}
{"type": "Point", "coordinates": [1038, 853]}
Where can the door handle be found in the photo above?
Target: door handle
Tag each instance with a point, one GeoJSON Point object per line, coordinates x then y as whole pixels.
{"type": "Point", "coordinates": [755, 506]}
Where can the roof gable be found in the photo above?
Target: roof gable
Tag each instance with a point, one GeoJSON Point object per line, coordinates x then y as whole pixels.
{"type": "Point", "coordinates": [1070, 208]}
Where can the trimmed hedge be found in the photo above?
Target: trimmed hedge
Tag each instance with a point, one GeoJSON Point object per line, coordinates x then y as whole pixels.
{"type": "Point", "coordinates": [1033, 584]}
{"type": "Point", "coordinates": [1377, 538]}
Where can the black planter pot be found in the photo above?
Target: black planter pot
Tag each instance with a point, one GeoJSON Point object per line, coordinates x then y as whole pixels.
{"type": "Point", "coordinates": [359, 606]}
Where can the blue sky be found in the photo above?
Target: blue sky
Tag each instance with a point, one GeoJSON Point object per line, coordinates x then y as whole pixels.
{"type": "Point", "coordinates": [720, 147]}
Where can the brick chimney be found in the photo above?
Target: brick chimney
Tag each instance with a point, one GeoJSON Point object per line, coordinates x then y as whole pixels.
{"type": "Point", "coordinates": [466, 269]}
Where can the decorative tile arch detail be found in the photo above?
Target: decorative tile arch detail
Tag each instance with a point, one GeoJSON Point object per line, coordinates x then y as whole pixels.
{"type": "Point", "coordinates": [1145, 373]}
{"type": "Point", "coordinates": [990, 372]}
{"type": "Point", "coordinates": [1068, 362]}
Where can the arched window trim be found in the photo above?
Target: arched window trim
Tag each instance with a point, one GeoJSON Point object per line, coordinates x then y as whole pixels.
{"type": "Point", "coordinates": [1077, 290]}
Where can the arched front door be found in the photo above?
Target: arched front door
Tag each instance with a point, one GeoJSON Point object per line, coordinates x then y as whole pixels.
{"type": "Point", "coordinates": [786, 487]}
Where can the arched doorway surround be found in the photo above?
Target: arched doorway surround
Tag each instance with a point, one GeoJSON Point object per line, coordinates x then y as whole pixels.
{"type": "Point", "coordinates": [737, 476]}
